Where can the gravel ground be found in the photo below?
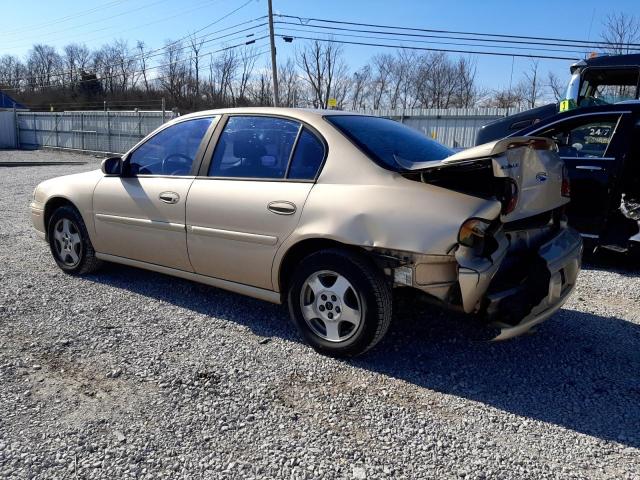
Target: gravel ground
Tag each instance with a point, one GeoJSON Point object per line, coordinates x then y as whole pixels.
{"type": "Point", "coordinates": [132, 374]}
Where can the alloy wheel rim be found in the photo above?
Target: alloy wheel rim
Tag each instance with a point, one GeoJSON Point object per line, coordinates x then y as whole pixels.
{"type": "Point", "coordinates": [67, 242]}
{"type": "Point", "coordinates": [331, 306]}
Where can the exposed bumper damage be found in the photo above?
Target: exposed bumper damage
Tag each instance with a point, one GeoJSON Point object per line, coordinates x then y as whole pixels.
{"type": "Point", "coordinates": [545, 285]}
{"type": "Point", "coordinates": [515, 288]}
{"type": "Point", "coordinates": [518, 267]}
{"type": "Point", "coordinates": [520, 285]}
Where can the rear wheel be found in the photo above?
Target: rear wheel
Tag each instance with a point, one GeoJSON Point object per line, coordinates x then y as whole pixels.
{"type": "Point", "coordinates": [340, 302]}
{"type": "Point", "coordinates": [69, 242]}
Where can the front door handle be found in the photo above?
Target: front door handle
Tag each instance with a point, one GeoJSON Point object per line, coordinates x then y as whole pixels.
{"type": "Point", "coordinates": [282, 207]}
{"type": "Point", "coordinates": [169, 197]}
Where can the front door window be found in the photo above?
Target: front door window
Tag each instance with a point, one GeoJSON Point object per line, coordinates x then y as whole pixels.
{"type": "Point", "coordinates": [171, 151]}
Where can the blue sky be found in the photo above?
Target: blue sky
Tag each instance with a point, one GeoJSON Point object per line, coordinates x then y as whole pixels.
{"type": "Point", "coordinates": [154, 21]}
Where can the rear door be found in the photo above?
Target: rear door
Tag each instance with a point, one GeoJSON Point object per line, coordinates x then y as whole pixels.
{"type": "Point", "coordinates": [593, 147]}
{"type": "Point", "coordinates": [249, 196]}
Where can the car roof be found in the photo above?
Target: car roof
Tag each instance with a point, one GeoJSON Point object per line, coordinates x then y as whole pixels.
{"type": "Point", "coordinates": [307, 114]}
{"type": "Point", "coordinates": [630, 60]}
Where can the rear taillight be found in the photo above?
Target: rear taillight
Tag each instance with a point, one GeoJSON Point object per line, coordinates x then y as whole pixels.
{"type": "Point", "coordinates": [565, 189]}
{"type": "Point", "coordinates": [472, 232]}
{"type": "Point", "coordinates": [509, 197]}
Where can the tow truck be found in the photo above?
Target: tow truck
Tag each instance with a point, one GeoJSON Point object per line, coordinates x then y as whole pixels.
{"type": "Point", "coordinates": [596, 129]}
{"type": "Point", "coordinates": [599, 80]}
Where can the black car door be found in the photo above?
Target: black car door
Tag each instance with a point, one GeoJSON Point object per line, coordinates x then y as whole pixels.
{"type": "Point", "coordinates": [593, 147]}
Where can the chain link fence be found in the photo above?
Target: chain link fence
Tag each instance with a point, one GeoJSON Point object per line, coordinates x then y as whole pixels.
{"type": "Point", "coordinates": [88, 131]}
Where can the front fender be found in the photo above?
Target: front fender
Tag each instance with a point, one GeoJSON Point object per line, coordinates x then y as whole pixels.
{"type": "Point", "coordinates": [76, 189]}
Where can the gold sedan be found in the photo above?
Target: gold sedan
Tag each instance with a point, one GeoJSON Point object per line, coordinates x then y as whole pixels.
{"type": "Point", "coordinates": [330, 212]}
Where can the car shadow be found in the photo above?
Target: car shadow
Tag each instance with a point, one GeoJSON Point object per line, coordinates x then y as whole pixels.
{"type": "Point", "coordinates": [581, 371]}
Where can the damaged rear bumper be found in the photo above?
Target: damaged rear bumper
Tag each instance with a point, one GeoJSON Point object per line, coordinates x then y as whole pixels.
{"type": "Point", "coordinates": [518, 290]}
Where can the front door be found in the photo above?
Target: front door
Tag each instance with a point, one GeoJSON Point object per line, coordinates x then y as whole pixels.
{"type": "Point", "coordinates": [251, 197]}
{"type": "Point", "coordinates": [592, 147]}
{"type": "Point", "coordinates": [141, 215]}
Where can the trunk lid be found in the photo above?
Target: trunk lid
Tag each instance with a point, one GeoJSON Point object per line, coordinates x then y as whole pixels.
{"type": "Point", "coordinates": [530, 164]}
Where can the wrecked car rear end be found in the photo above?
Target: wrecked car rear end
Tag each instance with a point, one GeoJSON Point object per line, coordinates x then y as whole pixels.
{"type": "Point", "coordinates": [516, 269]}
{"type": "Point", "coordinates": [482, 231]}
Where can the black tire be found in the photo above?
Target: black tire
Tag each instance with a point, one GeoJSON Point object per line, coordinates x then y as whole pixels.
{"type": "Point", "coordinates": [368, 284]}
{"type": "Point", "coordinates": [87, 261]}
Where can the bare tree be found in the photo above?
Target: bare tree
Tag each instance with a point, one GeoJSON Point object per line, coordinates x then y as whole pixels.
{"type": "Point", "coordinates": [530, 87]}
{"type": "Point", "coordinates": [222, 76]}
{"type": "Point", "coordinates": [173, 73]}
{"type": "Point", "coordinates": [43, 65]}
{"type": "Point", "coordinates": [75, 60]}
{"type": "Point", "coordinates": [143, 64]}
{"type": "Point", "coordinates": [248, 57]}
{"type": "Point", "coordinates": [289, 83]}
{"type": "Point", "coordinates": [360, 87]}
{"type": "Point", "coordinates": [382, 68]}
{"type": "Point", "coordinates": [467, 92]}
{"type": "Point", "coordinates": [11, 71]}
{"type": "Point", "coordinates": [400, 79]}
{"type": "Point", "coordinates": [322, 65]}
{"type": "Point", "coordinates": [621, 30]}
{"type": "Point", "coordinates": [261, 90]}
{"type": "Point", "coordinates": [196, 46]}
{"type": "Point", "coordinates": [555, 85]}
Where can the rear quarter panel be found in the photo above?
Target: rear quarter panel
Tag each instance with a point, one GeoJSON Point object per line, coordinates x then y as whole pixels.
{"type": "Point", "coordinates": [398, 214]}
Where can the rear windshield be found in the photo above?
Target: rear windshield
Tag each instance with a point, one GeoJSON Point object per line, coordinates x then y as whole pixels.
{"type": "Point", "coordinates": [389, 143]}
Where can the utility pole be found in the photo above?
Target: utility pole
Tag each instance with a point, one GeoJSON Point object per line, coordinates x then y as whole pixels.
{"type": "Point", "coordinates": [274, 64]}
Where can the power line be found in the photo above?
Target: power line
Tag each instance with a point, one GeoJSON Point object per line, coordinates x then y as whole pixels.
{"type": "Point", "coordinates": [113, 16]}
{"type": "Point", "coordinates": [305, 21]}
{"type": "Point", "coordinates": [55, 21]}
{"type": "Point", "coordinates": [84, 38]}
{"type": "Point", "coordinates": [407, 47]}
{"type": "Point", "coordinates": [446, 37]}
{"type": "Point", "coordinates": [431, 42]}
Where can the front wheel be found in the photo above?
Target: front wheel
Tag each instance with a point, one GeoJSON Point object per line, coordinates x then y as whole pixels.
{"type": "Point", "coordinates": [339, 302]}
{"type": "Point", "coordinates": [69, 242]}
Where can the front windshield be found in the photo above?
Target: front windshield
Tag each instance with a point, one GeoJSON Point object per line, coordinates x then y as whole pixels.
{"type": "Point", "coordinates": [608, 86]}
{"type": "Point", "coordinates": [389, 143]}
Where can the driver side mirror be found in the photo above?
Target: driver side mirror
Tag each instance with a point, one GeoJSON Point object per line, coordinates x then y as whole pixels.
{"type": "Point", "coordinates": [112, 166]}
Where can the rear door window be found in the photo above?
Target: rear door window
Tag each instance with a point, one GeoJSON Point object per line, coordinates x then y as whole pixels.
{"type": "Point", "coordinates": [307, 157]}
{"type": "Point", "coordinates": [254, 147]}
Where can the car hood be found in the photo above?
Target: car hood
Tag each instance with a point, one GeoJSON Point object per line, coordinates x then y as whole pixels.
{"type": "Point", "coordinates": [67, 185]}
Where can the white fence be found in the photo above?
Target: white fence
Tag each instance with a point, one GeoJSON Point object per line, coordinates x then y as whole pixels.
{"type": "Point", "coordinates": [454, 127]}
{"type": "Point", "coordinates": [93, 131]}
{"type": "Point", "coordinates": [116, 132]}
{"type": "Point", "coordinates": [8, 138]}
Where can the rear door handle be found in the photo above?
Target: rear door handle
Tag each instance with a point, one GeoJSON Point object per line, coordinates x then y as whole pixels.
{"type": "Point", "coordinates": [282, 207]}
{"type": "Point", "coordinates": [169, 197]}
